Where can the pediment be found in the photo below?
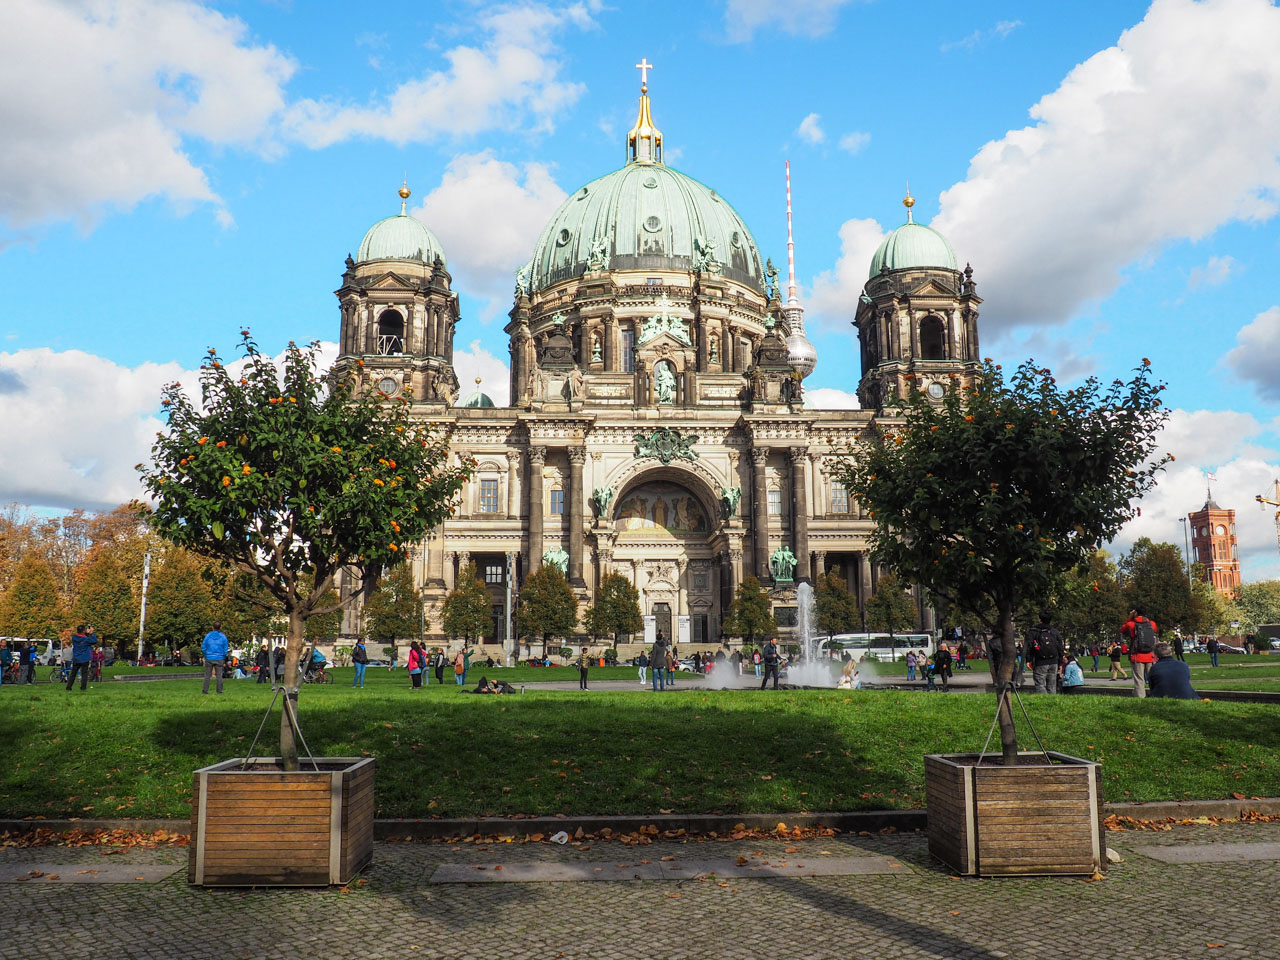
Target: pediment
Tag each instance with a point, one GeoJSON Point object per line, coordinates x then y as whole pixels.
{"type": "Point", "coordinates": [390, 281]}
{"type": "Point", "coordinates": [933, 287]}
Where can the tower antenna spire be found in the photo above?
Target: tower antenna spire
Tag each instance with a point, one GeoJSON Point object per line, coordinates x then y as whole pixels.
{"type": "Point", "coordinates": [800, 351]}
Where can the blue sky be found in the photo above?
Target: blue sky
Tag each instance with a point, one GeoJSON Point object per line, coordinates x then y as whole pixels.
{"type": "Point", "coordinates": [1109, 169]}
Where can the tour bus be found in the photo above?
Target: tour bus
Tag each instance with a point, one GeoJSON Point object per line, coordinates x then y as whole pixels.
{"type": "Point", "coordinates": [877, 646]}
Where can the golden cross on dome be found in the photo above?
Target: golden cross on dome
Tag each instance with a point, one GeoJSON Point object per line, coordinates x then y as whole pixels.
{"type": "Point", "coordinates": [644, 66]}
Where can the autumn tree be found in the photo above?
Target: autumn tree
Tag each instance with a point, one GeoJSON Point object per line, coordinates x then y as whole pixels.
{"type": "Point", "coordinates": [179, 603]}
{"type": "Point", "coordinates": [30, 606]}
{"type": "Point", "coordinates": [467, 610]}
{"type": "Point", "coordinates": [105, 601]}
{"type": "Point", "coordinates": [616, 610]}
{"type": "Point", "coordinates": [837, 608]}
{"type": "Point", "coordinates": [890, 609]}
{"type": "Point", "coordinates": [394, 610]}
{"type": "Point", "coordinates": [548, 607]}
{"type": "Point", "coordinates": [1258, 603]}
{"type": "Point", "coordinates": [988, 496]}
{"type": "Point", "coordinates": [750, 613]}
{"type": "Point", "coordinates": [1088, 602]}
{"type": "Point", "coordinates": [283, 474]}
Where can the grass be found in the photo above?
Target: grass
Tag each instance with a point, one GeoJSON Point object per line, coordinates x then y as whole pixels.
{"type": "Point", "coordinates": [128, 750]}
{"type": "Point", "coordinates": [517, 674]}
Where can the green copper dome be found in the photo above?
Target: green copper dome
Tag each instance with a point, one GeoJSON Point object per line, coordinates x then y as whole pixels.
{"type": "Point", "coordinates": [913, 245]}
{"type": "Point", "coordinates": [477, 399]}
{"type": "Point", "coordinates": [401, 237]}
{"type": "Point", "coordinates": [645, 216]}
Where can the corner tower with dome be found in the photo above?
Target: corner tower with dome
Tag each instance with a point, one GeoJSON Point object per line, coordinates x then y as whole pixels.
{"type": "Point", "coordinates": [656, 425]}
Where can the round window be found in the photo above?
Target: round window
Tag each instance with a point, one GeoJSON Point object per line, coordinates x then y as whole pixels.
{"type": "Point", "coordinates": [1221, 529]}
{"type": "Point", "coordinates": [651, 183]}
{"type": "Point", "coordinates": [736, 239]}
{"type": "Point", "coordinates": [937, 391]}
{"type": "Point", "coordinates": [582, 194]}
{"type": "Point", "coordinates": [563, 238]}
{"type": "Point", "coordinates": [389, 386]}
{"type": "Point", "coordinates": [652, 224]}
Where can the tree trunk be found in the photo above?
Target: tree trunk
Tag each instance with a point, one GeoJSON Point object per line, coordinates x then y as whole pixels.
{"type": "Point", "coordinates": [293, 651]}
{"type": "Point", "coordinates": [1003, 669]}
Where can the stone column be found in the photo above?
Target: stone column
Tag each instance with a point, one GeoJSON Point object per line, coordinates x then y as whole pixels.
{"type": "Point", "coordinates": [728, 362]}
{"type": "Point", "coordinates": [512, 504]}
{"type": "Point", "coordinates": [435, 557]}
{"type": "Point", "coordinates": [735, 566]}
{"type": "Point", "coordinates": [864, 579]}
{"type": "Point", "coordinates": [450, 580]}
{"type": "Point", "coordinates": [464, 557]}
{"type": "Point", "coordinates": [609, 354]}
{"type": "Point", "coordinates": [577, 457]}
{"type": "Point", "coordinates": [800, 509]}
{"type": "Point", "coordinates": [819, 564]}
{"type": "Point", "coordinates": [537, 461]}
{"type": "Point", "coordinates": [682, 588]}
{"type": "Point", "coordinates": [760, 513]}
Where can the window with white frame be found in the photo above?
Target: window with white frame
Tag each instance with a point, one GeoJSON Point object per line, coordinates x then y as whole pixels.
{"type": "Point", "coordinates": [557, 501]}
{"type": "Point", "coordinates": [775, 503]}
{"type": "Point", "coordinates": [839, 497]}
{"type": "Point", "coordinates": [488, 496]}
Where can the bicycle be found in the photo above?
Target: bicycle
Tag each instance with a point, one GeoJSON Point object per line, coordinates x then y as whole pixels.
{"type": "Point", "coordinates": [316, 674]}
{"type": "Point", "coordinates": [61, 673]}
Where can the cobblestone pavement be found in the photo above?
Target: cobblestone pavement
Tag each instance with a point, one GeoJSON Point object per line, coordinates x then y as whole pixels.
{"type": "Point", "coordinates": [1145, 909]}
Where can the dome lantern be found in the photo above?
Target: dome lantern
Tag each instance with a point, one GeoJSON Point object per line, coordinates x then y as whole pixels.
{"type": "Point", "coordinates": [401, 237]}
{"type": "Point", "coordinates": [913, 246]}
{"type": "Point", "coordinates": [644, 140]}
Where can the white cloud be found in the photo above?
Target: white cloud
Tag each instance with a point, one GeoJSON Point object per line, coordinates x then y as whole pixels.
{"type": "Point", "coordinates": [488, 214]}
{"type": "Point", "coordinates": [494, 374]}
{"type": "Point", "coordinates": [829, 398]}
{"type": "Point", "coordinates": [510, 80]}
{"type": "Point", "coordinates": [1224, 442]}
{"type": "Point", "coordinates": [810, 18]}
{"type": "Point", "coordinates": [1215, 272]}
{"type": "Point", "coordinates": [834, 299]}
{"type": "Point", "coordinates": [810, 129]}
{"type": "Point", "coordinates": [98, 100]}
{"type": "Point", "coordinates": [1001, 30]}
{"type": "Point", "coordinates": [1256, 355]}
{"type": "Point", "coordinates": [854, 141]}
{"type": "Point", "coordinates": [1131, 152]}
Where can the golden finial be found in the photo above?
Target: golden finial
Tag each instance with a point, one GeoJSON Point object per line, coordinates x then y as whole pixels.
{"type": "Point", "coordinates": [478, 381]}
{"type": "Point", "coordinates": [404, 192]}
{"type": "Point", "coordinates": [644, 142]}
{"type": "Point", "coordinates": [909, 201]}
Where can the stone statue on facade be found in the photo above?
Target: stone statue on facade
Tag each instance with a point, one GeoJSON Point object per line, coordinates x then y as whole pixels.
{"type": "Point", "coordinates": [574, 385]}
{"type": "Point", "coordinates": [598, 257]}
{"type": "Point", "coordinates": [556, 557]}
{"type": "Point", "coordinates": [664, 383]}
{"type": "Point", "coordinates": [705, 260]}
{"type": "Point", "coordinates": [729, 497]}
{"type": "Point", "coordinates": [771, 279]}
{"type": "Point", "coordinates": [524, 280]}
{"type": "Point", "coordinates": [783, 563]}
{"type": "Point", "coordinates": [601, 497]}
{"type": "Point", "coordinates": [595, 348]}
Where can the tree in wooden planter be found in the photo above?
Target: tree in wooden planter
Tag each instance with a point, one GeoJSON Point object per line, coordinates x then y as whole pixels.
{"type": "Point", "coordinates": [986, 497]}
{"type": "Point", "coordinates": [291, 479]}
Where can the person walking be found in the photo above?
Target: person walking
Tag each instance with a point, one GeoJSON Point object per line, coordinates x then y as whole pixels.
{"type": "Point", "coordinates": [1212, 647]}
{"type": "Point", "coordinates": [1095, 651]}
{"type": "Point", "coordinates": [756, 659]}
{"type": "Point", "coordinates": [1044, 643]}
{"type": "Point", "coordinates": [584, 664]}
{"type": "Point", "coordinates": [395, 653]}
{"type": "Point", "coordinates": [466, 663]}
{"type": "Point", "coordinates": [81, 656]}
{"type": "Point", "coordinates": [962, 656]}
{"type": "Point", "coordinates": [415, 664]}
{"type": "Point", "coordinates": [360, 660]}
{"type": "Point", "coordinates": [1177, 647]}
{"type": "Point", "coordinates": [262, 660]}
{"type": "Point", "coordinates": [1142, 647]}
{"type": "Point", "coordinates": [642, 664]}
{"type": "Point", "coordinates": [1170, 677]}
{"type": "Point", "coordinates": [1114, 653]}
{"type": "Point", "coordinates": [214, 650]}
{"type": "Point", "coordinates": [670, 660]}
{"type": "Point", "coordinates": [770, 657]}
{"type": "Point", "coordinates": [440, 663]}
{"type": "Point", "coordinates": [911, 665]}
{"type": "Point", "coordinates": [942, 665]}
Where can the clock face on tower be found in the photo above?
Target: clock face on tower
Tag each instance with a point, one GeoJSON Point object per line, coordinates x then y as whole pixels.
{"type": "Point", "coordinates": [1221, 530]}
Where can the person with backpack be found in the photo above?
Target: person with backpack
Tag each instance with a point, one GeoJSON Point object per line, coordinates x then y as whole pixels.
{"type": "Point", "coordinates": [414, 663]}
{"type": "Point", "coordinates": [1044, 646]}
{"type": "Point", "coordinates": [1115, 652]}
{"type": "Point", "coordinates": [460, 668]}
{"type": "Point", "coordinates": [1142, 647]}
{"type": "Point", "coordinates": [757, 661]}
{"type": "Point", "coordinates": [360, 660]}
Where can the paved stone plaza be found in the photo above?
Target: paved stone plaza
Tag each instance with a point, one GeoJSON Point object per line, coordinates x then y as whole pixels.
{"type": "Point", "coordinates": [1216, 905]}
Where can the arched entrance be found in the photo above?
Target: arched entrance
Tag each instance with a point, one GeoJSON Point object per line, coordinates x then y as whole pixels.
{"type": "Point", "coordinates": [666, 532]}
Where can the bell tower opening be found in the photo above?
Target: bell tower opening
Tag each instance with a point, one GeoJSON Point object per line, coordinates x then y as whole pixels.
{"type": "Point", "coordinates": [932, 339]}
{"type": "Point", "coordinates": [390, 333]}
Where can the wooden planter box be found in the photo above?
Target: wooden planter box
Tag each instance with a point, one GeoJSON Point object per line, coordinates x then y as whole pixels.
{"type": "Point", "coordinates": [1033, 819]}
{"type": "Point", "coordinates": [262, 826]}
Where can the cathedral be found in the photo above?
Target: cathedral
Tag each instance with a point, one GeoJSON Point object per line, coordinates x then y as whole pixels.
{"type": "Point", "coordinates": [657, 426]}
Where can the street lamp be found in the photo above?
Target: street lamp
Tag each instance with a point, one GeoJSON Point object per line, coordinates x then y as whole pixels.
{"type": "Point", "coordinates": [1186, 543]}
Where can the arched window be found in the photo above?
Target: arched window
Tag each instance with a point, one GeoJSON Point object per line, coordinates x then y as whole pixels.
{"type": "Point", "coordinates": [390, 333]}
{"type": "Point", "coordinates": [932, 339]}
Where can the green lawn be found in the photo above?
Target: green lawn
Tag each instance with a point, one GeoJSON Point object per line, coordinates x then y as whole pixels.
{"type": "Point", "coordinates": [128, 749]}
{"type": "Point", "coordinates": [518, 674]}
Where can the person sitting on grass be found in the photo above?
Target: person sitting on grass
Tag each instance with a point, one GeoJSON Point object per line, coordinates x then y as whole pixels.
{"type": "Point", "coordinates": [1072, 677]}
{"type": "Point", "coordinates": [1170, 677]}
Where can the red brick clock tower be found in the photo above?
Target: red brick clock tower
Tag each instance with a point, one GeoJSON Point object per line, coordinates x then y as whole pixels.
{"type": "Point", "coordinates": [1213, 545]}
